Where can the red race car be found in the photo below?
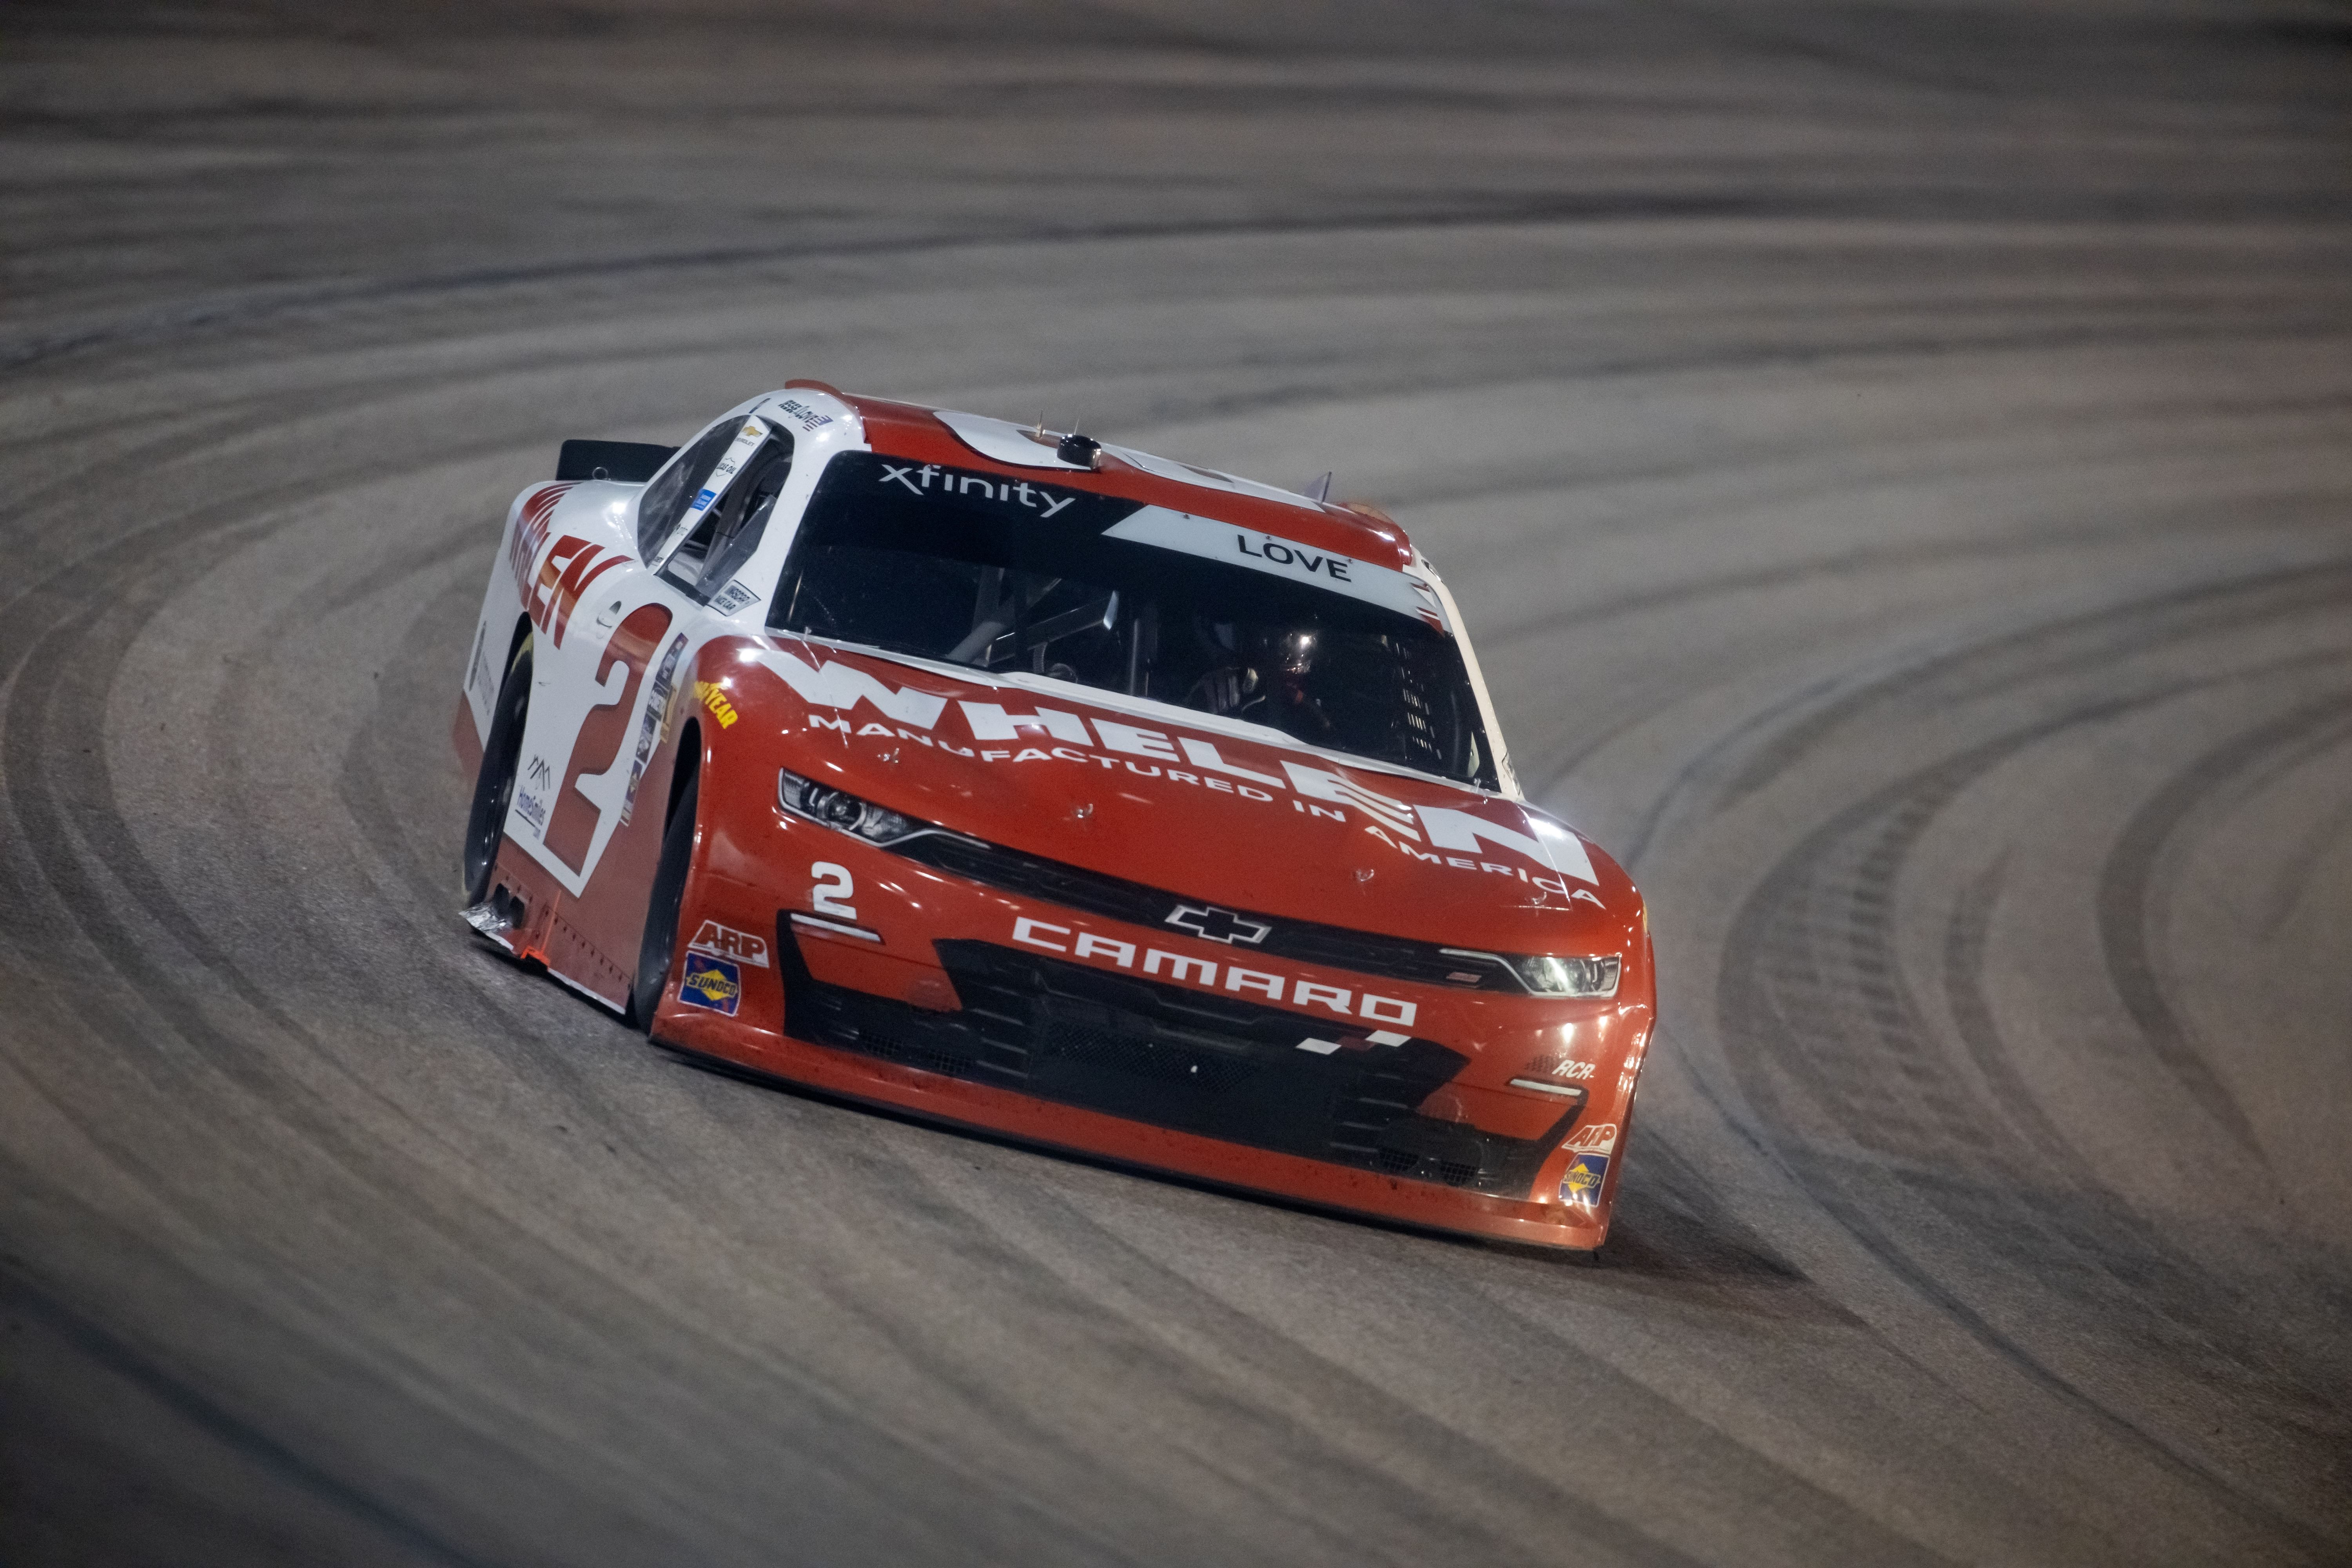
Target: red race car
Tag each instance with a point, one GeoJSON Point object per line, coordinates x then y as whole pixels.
{"type": "Point", "coordinates": [1031, 783]}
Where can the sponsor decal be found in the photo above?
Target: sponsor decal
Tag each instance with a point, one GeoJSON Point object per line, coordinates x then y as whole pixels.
{"type": "Point", "coordinates": [1568, 1071]}
{"type": "Point", "coordinates": [844, 686]}
{"type": "Point", "coordinates": [1231, 544]}
{"type": "Point", "coordinates": [713, 984]}
{"type": "Point", "coordinates": [960, 483]}
{"type": "Point", "coordinates": [538, 772]}
{"type": "Point", "coordinates": [805, 415]}
{"type": "Point", "coordinates": [655, 725]}
{"type": "Point", "coordinates": [1550, 857]}
{"type": "Point", "coordinates": [1212, 924]}
{"type": "Point", "coordinates": [1386, 811]}
{"type": "Point", "coordinates": [1453, 828]}
{"type": "Point", "coordinates": [531, 809]}
{"type": "Point", "coordinates": [530, 534]}
{"type": "Point", "coordinates": [1580, 1188]}
{"type": "Point", "coordinates": [726, 942]}
{"type": "Point", "coordinates": [716, 700]}
{"type": "Point", "coordinates": [1253, 984]}
{"type": "Point", "coordinates": [733, 599]}
{"type": "Point", "coordinates": [1600, 1138]}
{"type": "Point", "coordinates": [571, 565]}
{"type": "Point", "coordinates": [1284, 553]}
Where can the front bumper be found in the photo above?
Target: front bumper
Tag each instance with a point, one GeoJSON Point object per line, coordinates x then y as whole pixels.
{"type": "Point", "coordinates": [935, 1012]}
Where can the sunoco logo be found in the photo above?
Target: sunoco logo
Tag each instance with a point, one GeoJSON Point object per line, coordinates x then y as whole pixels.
{"type": "Point", "coordinates": [712, 983]}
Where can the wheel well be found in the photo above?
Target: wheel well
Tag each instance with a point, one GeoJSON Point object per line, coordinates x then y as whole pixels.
{"type": "Point", "coordinates": [682, 773]}
{"type": "Point", "coordinates": [522, 630]}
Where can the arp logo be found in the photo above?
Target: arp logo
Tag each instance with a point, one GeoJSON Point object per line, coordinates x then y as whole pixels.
{"type": "Point", "coordinates": [1600, 1138]}
{"type": "Point", "coordinates": [726, 942]}
{"type": "Point", "coordinates": [712, 983]}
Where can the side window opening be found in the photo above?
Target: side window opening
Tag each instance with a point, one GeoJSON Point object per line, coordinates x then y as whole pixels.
{"type": "Point", "coordinates": [729, 532]}
{"type": "Point", "coordinates": [666, 499]}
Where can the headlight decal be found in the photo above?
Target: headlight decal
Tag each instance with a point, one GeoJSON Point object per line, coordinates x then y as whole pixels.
{"type": "Point", "coordinates": [1584, 979]}
{"type": "Point", "coordinates": [839, 809]}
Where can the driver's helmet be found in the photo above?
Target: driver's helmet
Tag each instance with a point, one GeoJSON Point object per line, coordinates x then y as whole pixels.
{"type": "Point", "coordinates": [1289, 652]}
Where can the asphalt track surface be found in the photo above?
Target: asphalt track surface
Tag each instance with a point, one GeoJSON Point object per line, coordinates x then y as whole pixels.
{"type": "Point", "coordinates": [1898, 462]}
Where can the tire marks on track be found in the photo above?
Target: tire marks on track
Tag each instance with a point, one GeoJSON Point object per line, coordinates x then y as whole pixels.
{"type": "Point", "coordinates": [1868, 1110]}
{"type": "Point", "coordinates": [2126, 896]}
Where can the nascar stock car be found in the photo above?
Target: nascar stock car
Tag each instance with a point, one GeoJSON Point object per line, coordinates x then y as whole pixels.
{"type": "Point", "coordinates": [1029, 784]}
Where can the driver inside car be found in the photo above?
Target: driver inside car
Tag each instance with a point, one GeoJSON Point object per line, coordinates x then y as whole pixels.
{"type": "Point", "coordinates": [1264, 679]}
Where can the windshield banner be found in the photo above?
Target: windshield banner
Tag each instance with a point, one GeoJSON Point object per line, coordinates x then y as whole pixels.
{"type": "Point", "coordinates": [1210, 540]}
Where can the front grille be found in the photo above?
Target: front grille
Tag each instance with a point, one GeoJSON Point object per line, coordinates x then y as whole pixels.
{"type": "Point", "coordinates": [1336, 947]}
{"type": "Point", "coordinates": [1169, 1057]}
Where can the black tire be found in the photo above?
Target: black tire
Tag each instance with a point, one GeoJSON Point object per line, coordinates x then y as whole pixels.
{"type": "Point", "coordinates": [485, 826]}
{"type": "Point", "coordinates": [658, 947]}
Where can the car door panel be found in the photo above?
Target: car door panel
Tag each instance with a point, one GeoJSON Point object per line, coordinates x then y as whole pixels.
{"type": "Point", "coordinates": [589, 790]}
{"type": "Point", "coordinates": [602, 618]}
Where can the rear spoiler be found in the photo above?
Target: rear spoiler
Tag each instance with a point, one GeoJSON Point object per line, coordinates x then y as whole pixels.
{"type": "Point", "coordinates": [629, 462]}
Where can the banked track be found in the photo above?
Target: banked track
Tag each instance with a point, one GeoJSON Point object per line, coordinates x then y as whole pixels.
{"type": "Point", "coordinates": [1899, 463]}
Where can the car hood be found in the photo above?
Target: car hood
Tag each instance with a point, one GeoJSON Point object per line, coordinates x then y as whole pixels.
{"type": "Point", "coordinates": [1230, 813]}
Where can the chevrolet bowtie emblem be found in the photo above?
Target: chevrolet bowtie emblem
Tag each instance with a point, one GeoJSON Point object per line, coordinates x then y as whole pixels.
{"type": "Point", "coordinates": [1214, 924]}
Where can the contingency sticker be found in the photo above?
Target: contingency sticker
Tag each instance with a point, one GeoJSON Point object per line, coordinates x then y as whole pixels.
{"type": "Point", "coordinates": [1598, 1139]}
{"type": "Point", "coordinates": [727, 943]}
{"type": "Point", "coordinates": [655, 725]}
{"type": "Point", "coordinates": [530, 800]}
{"type": "Point", "coordinates": [733, 599]}
{"type": "Point", "coordinates": [712, 983]}
{"type": "Point", "coordinates": [1581, 1186]}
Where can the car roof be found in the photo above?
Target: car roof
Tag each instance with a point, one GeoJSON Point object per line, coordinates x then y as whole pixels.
{"type": "Point", "coordinates": [924, 434]}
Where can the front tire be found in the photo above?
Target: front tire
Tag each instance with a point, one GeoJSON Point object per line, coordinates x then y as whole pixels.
{"type": "Point", "coordinates": [486, 825]}
{"type": "Point", "coordinates": [659, 944]}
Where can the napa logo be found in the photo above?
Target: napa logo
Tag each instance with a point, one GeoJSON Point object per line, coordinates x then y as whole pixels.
{"type": "Point", "coordinates": [1581, 1186]}
{"type": "Point", "coordinates": [711, 982]}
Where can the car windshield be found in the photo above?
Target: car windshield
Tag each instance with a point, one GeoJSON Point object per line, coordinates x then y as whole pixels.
{"type": "Point", "coordinates": [1000, 574]}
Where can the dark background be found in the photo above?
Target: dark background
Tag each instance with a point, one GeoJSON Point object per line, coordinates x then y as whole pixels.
{"type": "Point", "coordinates": [1896, 459]}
